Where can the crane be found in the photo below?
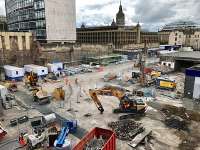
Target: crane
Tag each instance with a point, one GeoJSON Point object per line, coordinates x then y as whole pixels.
{"type": "Point", "coordinates": [128, 104]}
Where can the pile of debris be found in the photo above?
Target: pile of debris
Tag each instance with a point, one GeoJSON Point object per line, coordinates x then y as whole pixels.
{"type": "Point", "coordinates": [95, 144]}
{"type": "Point", "coordinates": [162, 68]}
{"type": "Point", "coordinates": [126, 129]}
{"type": "Point", "coordinates": [176, 122]}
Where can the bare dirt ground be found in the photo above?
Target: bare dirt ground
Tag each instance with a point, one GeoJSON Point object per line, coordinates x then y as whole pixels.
{"type": "Point", "coordinates": [164, 138]}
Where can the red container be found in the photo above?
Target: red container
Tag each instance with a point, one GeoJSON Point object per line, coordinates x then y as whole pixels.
{"type": "Point", "coordinates": [147, 70]}
{"type": "Point", "coordinates": [97, 132]}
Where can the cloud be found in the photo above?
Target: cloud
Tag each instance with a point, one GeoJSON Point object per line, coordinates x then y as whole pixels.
{"type": "Point", "coordinates": [151, 13]}
{"type": "Point", "coordinates": [2, 7]}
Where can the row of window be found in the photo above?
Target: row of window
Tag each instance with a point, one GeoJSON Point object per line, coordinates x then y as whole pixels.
{"type": "Point", "coordinates": [39, 5]}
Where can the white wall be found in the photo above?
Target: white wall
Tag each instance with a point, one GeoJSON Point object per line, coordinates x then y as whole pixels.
{"type": "Point", "coordinates": [60, 20]}
{"type": "Point", "coordinates": [177, 38]}
{"type": "Point", "coordinates": [169, 64]}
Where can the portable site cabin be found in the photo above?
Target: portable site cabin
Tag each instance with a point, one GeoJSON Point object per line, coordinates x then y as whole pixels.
{"type": "Point", "coordinates": [55, 67]}
{"type": "Point", "coordinates": [40, 71]}
{"type": "Point", "coordinates": [192, 82]}
{"type": "Point", "coordinates": [13, 73]}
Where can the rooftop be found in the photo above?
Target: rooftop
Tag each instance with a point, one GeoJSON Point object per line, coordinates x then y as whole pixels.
{"type": "Point", "coordinates": [180, 25]}
{"type": "Point", "coordinates": [195, 55]}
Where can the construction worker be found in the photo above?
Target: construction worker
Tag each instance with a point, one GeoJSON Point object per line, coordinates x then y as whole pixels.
{"type": "Point", "coordinates": [78, 90]}
{"type": "Point", "coordinates": [68, 93]}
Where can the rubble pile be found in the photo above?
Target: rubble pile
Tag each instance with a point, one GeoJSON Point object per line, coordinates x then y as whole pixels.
{"type": "Point", "coordinates": [95, 144]}
{"type": "Point", "coordinates": [126, 129]}
{"type": "Point", "coordinates": [176, 122]}
{"type": "Point", "coordinates": [162, 68]}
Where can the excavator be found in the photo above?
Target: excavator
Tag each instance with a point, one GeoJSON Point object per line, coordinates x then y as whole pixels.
{"type": "Point", "coordinates": [128, 103]}
{"type": "Point", "coordinates": [31, 80]}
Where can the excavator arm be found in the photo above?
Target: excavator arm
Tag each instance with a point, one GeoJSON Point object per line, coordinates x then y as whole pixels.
{"type": "Point", "coordinates": [108, 90]}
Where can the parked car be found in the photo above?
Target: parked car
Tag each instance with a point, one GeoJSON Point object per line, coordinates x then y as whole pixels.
{"type": "Point", "coordinates": [22, 119]}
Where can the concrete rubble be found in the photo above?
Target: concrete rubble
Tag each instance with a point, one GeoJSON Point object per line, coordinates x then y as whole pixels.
{"type": "Point", "coordinates": [126, 129]}
{"type": "Point", "coordinates": [95, 144]}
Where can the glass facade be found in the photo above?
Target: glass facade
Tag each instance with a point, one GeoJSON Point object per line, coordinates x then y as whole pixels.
{"type": "Point", "coordinates": [27, 15]}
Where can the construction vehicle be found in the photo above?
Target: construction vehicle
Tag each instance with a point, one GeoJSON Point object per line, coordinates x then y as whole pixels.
{"type": "Point", "coordinates": [165, 83]}
{"type": "Point", "coordinates": [40, 96]}
{"type": "Point", "coordinates": [59, 94]}
{"type": "Point", "coordinates": [35, 140]}
{"type": "Point", "coordinates": [11, 86]}
{"type": "Point", "coordinates": [128, 103]}
{"type": "Point", "coordinates": [31, 80]}
{"type": "Point", "coordinates": [68, 127]}
{"type": "Point", "coordinates": [41, 125]}
{"type": "Point", "coordinates": [2, 132]}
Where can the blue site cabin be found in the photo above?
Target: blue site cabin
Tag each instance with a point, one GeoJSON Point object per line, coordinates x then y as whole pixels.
{"type": "Point", "coordinates": [13, 73]}
{"type": "Point", "coordinates": [40, 71]}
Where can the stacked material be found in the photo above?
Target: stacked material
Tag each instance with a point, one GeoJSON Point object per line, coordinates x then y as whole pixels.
{"type": "Point", "coordinates": [95, 144]}
{"type": "Point", "coordinates": [126, 129]}
{"type": "Point", "coordinates": [176, 122]}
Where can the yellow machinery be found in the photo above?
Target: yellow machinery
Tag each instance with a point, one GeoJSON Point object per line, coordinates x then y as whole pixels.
{"type": "Point", "coordinates": [40, 96]}
{"type": "Point", "coordinates": [165, 83]}
{"type": "Point", "coordinates": [59, 94]}
{"type": "Point", "coordinates": [11, 86]}
{"type": "Point", "coordinates": [128, 104]}
{"type": "Point", "coordinates": [31, 79]}
{"type": "Point", "coordinates": [155, 74]}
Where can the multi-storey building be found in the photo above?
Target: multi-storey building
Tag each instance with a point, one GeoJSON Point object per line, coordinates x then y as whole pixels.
{"type": "Point", "coordinates": [181, 33]}
{"type": "Point", "coordinates": [3, 23]}
{"type": "Point", "coordinates": [48, 20]}
{"type": "Point", "coordinates": [116, 34]}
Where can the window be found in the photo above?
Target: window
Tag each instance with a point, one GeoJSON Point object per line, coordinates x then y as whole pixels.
{"type": "Point", "coordinates": [175, 38]}
{"type": "Point", "coordinates": [39, 5]}
{"type": "Point", "coordinates": [17, 72]}
{"type": "Point", "coordinates": [176, 34]}
{"type": "Point", "coordinates": [42, 70]}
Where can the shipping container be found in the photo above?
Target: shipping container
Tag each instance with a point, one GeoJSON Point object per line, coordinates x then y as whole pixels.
{"type": "Point", "coordinates": [13, 73]}
{"type": "Point", "coordinates": [108, 135]}
{"type": "Point", "coordinates": [38, 70]}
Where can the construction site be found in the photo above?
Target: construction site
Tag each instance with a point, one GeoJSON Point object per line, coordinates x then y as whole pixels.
{"type": "Point", "coordinates": [99, 100]}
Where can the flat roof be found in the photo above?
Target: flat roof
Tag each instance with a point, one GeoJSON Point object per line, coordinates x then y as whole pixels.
{"type": "Point", "coordinates": [12, 67]}
{"type": "Point", "coordinates": [185, 55]}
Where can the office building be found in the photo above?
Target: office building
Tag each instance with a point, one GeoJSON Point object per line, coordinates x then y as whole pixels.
{"type": "Point", "coordinates": [48, 20]}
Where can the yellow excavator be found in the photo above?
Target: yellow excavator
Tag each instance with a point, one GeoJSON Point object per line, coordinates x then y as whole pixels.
{"type": "Point", "coordinates": [128, 102]}
{"type": "Point", "coordinates": [31, 79]}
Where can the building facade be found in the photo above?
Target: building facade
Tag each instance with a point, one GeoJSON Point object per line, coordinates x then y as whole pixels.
{"type": "Point", "coordinates": [48, 20]}
{"type": "Point", "coordinates": [181, 33]}
{"type": "Point", "coordinates": [16, 40]}
{"type": "Point", "coordinates": [3, 23]}
{"type": "Point", "coordinates": [117, 34]}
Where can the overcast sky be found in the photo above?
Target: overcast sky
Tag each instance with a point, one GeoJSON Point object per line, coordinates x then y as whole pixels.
{"type": "Point", "coordinates": [151, 13]}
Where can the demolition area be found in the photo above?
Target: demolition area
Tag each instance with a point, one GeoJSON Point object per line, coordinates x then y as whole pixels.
{"type": "Point", "coordinates": [107, 103]}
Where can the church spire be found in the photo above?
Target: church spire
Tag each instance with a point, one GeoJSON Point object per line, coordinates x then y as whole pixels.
{"type": "Point", "coordinates": [120, 17]}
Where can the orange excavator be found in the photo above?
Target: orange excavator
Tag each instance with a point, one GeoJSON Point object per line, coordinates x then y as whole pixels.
{"type": "Point", "coordinates": [128, 102]}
